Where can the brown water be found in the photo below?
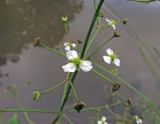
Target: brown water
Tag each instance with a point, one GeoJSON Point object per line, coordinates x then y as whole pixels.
{"type": "Point", "coordinates": [23, 20]}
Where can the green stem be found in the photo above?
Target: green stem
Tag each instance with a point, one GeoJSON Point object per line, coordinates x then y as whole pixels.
{"type": "Point", "coordinates": [97, 114]}
{"type": "Point", "coordinates": [68, 119]}
{"type": "Point", "coordinates": [101, 46]}
{"type": "Point", "coordinates": [149, 63]}
{"type": "Point", "coordinates": [133, 89]}
{"type": "Point", "coordinates": [4, 110]}
{"type": "Point", "coordinates": [27, 110]}
{"type": "Point", "coordinates": [140, 44]}
{"type": "Point", "coordinates": [25, 113]}
{"type": "Point", "coordinates": [54, 87]}
{"type": "Point", "coordinates": [68, 88]}
{"type": "Point", "coordinates": [114, 114]}
{"type": "Point", "coordinates": [69, 76]}
{"type": "Point", "coordinates": [102, 76]}
{"type": "Point", "coordinates": [95, 6]}
{"type": "Point", "coordinates": [14, 94]}
{"type": "Point", "coordinates": [91, 28]}
{"type": "Point", "coordinates": [93, 38]}
{"type": "Point", "coordinates": [66, 30]}
{"type": "Point", "coordinates": [99, 107]}
{"type": "Point", "coordinates": [74, 91]}
{"type": "Point", "coordinates": [66, 93]}
{"type": "Point", "coordinates": [53, 50]}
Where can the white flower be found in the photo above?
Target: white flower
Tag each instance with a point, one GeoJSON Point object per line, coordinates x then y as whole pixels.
{"type": "Point", "coordinates": [111, 23]}
{"type": "Point", "coordinates": [75, 63]}
{"type": "Point", "coordinates": [72, 54]}
{"type": "Point", "coordinates": [86, 65]}
{"type": "Point", "coordinates": [70, 67]}
{"type": "Point", "coordinates": [111, 57]}
{"type": "Point", "coordinates": [138, 120]}
{"type": "Point", "coordinates": [69, 45]}
{"type": "Point", "coordinates": [103, 120]}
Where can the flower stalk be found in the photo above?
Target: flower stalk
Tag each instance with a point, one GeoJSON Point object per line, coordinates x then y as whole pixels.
{"type": "Point", "coordinates": [73, 76]}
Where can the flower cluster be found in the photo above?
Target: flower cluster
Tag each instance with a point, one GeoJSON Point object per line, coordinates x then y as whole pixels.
{"type": "Point", "coordinates": [138, 120]}
{"type": "Point", "coordinates": [69, 45]}
{"type": "Point", "coordinates": [103, 120]}
{"type": "Point", "coordinates": [76, 63]}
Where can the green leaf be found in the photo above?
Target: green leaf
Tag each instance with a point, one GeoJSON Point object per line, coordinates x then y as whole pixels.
{"type": "Point", "coordinates": [14, 119]}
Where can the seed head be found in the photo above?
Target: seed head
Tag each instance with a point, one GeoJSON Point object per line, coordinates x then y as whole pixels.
{"type": "Point", "coordinates": [125, 21]}
{"type": "Point", "coordinates": [116, 87]}
{"type": "Point", "coordinates": [115, 34]}
{"type": "Point", "coordinates": [36, 42]}
{"type": "Point", "coordinates": [79, 105]}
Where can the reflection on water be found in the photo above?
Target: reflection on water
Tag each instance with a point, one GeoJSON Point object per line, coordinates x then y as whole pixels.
{"type": "Point", "coordinates": [23, 20]}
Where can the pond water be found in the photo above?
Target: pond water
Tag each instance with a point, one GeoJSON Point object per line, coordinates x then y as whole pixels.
{"type": "Point", "coordinates": [32, 68]}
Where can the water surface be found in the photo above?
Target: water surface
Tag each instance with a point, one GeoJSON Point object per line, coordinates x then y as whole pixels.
{"type": "Point", "coordinates": [23, 20]}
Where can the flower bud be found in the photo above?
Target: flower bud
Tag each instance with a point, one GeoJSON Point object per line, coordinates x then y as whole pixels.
{"type": "Point", "coordinates": [115, 34]}
{"type": "Point", "coordinates": [125, 21]}
{"type": "Point", "coordinates": [116, 87]}
{"type": "Point", "coordinates": [101, 14]}
{"type": "Point", "coordinates": [79, 41]}
{"type": "Point", "coordinates": [79, 105]}
{"type": "Point", "coordinates": [128, 102]}
{"type": "Point", "coordinates": [36, 95]}
{"type": "Point", "coordinates": [64, 19]}
{"type": "Point", "coordinates": [36, 41]}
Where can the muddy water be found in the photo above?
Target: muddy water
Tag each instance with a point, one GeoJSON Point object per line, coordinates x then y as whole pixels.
{"type": "Point", "coordinates": [32, 68]}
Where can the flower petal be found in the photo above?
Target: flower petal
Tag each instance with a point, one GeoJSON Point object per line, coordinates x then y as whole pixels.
{"type": "Point", "coordinates": [114, 27]}
{"type": "Point", "coordinates": [70, 67]}
{"type": "Point", "coordinates": [109, 51]}
{"type": "Point", "coordinates": [86, 65]}
{"type": "Point", "coordinates": [67, 48]}
{"type": "Point", "coordinates": [104, 119]}
{"type": "Point", "coordinates": [99, 122]}
{"type": "Point", "coordinates": [107, 59]}
{"type": "Point", "coordinates": [105, 123]}
{"type": "Point", "coordinates": [117, 61]}
{"type": "Point", "coordinates": [73, 45]}
{"type": "Point", "coordinates": [66, 44]}
{"type": "Point", "coordinates": [71, 54]}
{"type": "Point", "coordinates": [108, 21]}
{"type": "Point", "coordinates": [140, 121]}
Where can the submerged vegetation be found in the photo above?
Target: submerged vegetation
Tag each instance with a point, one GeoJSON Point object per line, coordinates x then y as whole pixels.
{"type": "Point", "coordinates": [120, 109]}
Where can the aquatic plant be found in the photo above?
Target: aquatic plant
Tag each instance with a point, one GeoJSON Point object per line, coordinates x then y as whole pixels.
{"type": "Point", "coordinates": [85, 62]}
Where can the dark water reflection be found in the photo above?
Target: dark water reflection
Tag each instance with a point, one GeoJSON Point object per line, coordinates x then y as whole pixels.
{"type": "Point", "coordinates": [24, 20]}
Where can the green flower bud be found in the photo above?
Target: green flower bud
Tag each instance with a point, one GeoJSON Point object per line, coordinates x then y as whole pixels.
{"type": "Point", "coordinates": [36, 95]}
{"type": "Point", "coordinates": [64, 19]}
